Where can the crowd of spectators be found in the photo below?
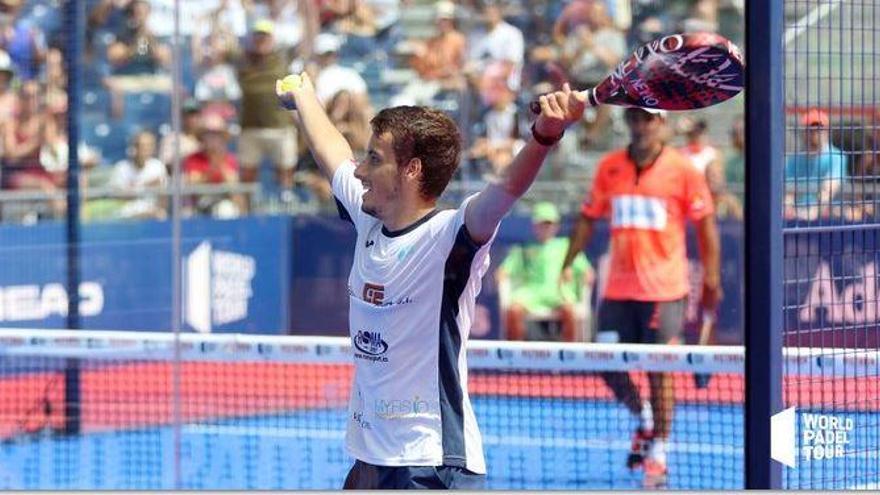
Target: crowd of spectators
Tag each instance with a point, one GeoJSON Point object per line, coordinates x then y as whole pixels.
{"type": "Point", "coordinates": [481, 60]}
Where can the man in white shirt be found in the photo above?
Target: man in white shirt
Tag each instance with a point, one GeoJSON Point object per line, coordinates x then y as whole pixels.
{"type": "Point", "coordinates": [140, 171]}
{"type": "Point", "coordinates": [332, 77]}
{"type": "Point", "coordinates": [502, 45]}
{"type": "Point", "coordinates": [413, 285]}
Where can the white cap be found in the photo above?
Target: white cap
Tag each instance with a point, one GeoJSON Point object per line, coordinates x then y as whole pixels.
{"type": "Point", "coordinates": [652, 111]}
{"type": "Point", "coordinates": [327, 43]}
{"type": "Point", "coordinates": [445, 9]}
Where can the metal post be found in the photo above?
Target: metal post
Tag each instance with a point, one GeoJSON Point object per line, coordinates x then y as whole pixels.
{"type": "Point", "coordinates": [75, 19]}
{"type": "Point", "coordinates": [764, 242]}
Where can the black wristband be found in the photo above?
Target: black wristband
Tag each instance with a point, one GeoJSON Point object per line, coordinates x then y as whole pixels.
{"type": "Point", "coordinates": [544, 140]}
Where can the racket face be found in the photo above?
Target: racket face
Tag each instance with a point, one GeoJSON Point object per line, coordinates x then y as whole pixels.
{"type": "Point", "coordinates": [677, 72]}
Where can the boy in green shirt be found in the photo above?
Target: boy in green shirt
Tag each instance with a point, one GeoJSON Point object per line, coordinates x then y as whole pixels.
{"type": "Point", "coordinates": [529, 282]}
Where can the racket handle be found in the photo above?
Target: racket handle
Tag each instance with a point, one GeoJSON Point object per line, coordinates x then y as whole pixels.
{"type": "Point", "coordinates": [535, 105]}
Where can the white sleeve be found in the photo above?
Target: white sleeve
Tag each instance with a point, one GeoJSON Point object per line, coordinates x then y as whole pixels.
{"type": "Point", "coordinates": [457, 233]}
{"type": "Point", "coordinates": [349, 193]}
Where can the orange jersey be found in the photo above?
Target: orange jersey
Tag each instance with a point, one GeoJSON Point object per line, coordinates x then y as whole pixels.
{"type": "Point", "coordinates": [647, 212]}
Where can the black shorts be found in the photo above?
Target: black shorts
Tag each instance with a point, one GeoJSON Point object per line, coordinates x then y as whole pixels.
{"type": "Point", "coordinates": [365, 476]}
{"type": "Point", "coordinates": [641, 322]}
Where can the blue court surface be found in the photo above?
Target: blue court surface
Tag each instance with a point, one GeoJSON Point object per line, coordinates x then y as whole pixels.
{"type": "Point", "coordinates": [529, 443]}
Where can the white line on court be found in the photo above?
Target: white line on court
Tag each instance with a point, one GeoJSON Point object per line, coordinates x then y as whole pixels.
{"type": "Point", "coordinates": [514, 441]}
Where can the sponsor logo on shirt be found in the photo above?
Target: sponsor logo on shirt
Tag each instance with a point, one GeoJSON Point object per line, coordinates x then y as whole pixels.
{"type": "Point", "coordinates": [403, 408]}
{"type": "Point", "coordinates": [358, 417]}
{"type": "Point", "coordinates": [638, 212]}
{"type": "Point", "coordinates": [374, 293]}
{"type": "Point", "coordinates": [371, 346]}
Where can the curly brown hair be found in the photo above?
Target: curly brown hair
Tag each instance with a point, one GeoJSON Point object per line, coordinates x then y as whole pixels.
{"type": "Point", "coordinates": [423, 133]}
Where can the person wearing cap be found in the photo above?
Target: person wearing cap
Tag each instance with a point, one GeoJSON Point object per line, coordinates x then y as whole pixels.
{"type": "Point", "coordinates": [266, 129]}
{"type": "Point", "coordinates": [7, 94]}
{"type": "Point", "coordinates": [214, 164]}
{"type": "Point", "coordinates": [528, 280]}
{"type": "Point", "coordinates": [708, 160]}
{"type": "Point", "coordinates": [648, 192]}
{"type": "Point", "coordinates": [814, 174]}
{"type": "Point", "coordinates": [139, 60]}
{"type": "Point", "coordinates": [189, 139]}
{"type": "Point", "coordinates": [333, 77]}
{"type": "Point", "coordinates": [437, 61]}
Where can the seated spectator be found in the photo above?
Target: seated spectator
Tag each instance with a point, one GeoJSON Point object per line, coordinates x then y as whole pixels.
{"type": "Point", "coordinates": [703, 16]}
{"type": "Point", "coordinates": [333, 77]}
{"type": "Point", "coordinates": [53, 153]}
{"type": "Point", "coordinates": [502, 138]}
{"type": "Point", "coordinates": [698, 148]}
{"type": "Point", "coordinates": [7, 94]}
{"type": "Point", "coordinates": [707, 159]}
{"type": "Point", "coordinates": [216, 87]}
{"type": "Point", "coordinates": [358, 26]}
{"type": "Point", "coordinates": [22, 41]}
{"type": "Point", "coordinates": [267, 130]}
{"type": "Point", "coordinates": [136, 174]}
{"type": "Point", "coordinates": [56, 80]}
{"type": "Point", "coordinates": [588, 54]}
{"type": "Point", "coordinates": [189, 136]}
{"type": "Point", "coordinates": [814, 176]}
{"type": "Point", "coordinates": [214, 164]}
{"type": "Point", "coordinates": [866, 179]}
{"type": "Point", "coordinates": [296, 22]}
{"type": "Point", "coordinates": [23, 138]}
{"type": "Point", "coordinates": [529, 280]}
{"type": "Point", "coordinates": [386, 13]}
{"type": "Point", "coordinates": [137, 58]}
{"type": "Point", "coordinates": [735, 164]}
{"type": "Point", "coordinates": [352, 119]}
{"type": "Point", "coordinates": [438, 62]}
{"type": "Point", "coordinates": [496, 56]}
{"type": "Point", "coordinates": [575, 14]}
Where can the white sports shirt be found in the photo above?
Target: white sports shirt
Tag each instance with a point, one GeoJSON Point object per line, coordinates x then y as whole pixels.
{"type": "Point", "coordinates": [412, 295]}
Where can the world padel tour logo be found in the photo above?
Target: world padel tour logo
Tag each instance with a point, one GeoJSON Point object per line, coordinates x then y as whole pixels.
{"type": "Point", "coordinates": [371, 346]}
{"type": "Point", "coordinates": [218, 287]}
{"type": "Point", "coordinates": [822, 436]}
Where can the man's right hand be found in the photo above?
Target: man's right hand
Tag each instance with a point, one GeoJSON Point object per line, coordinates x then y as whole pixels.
{"type": "Point", "coordinates": [288, 97]}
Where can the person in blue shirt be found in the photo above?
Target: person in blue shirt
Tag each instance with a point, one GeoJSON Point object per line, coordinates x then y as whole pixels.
{"type": "Point", "coordinates": [814, 175]}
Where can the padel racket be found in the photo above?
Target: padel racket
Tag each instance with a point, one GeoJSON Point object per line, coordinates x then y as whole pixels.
{"type": "Point", "coordinates": [676, 72]}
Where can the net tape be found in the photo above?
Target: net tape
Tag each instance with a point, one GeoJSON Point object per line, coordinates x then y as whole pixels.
{"type": "Point", "coordinates": [482, 354]}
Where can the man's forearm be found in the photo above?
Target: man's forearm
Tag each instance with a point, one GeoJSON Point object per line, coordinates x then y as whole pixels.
{"type": "Point", "coordinates": [517, 177]}
{"type": "Point", "coordinates": [710, 251]}
{"type": "Point", "coordinates": [328, 145]}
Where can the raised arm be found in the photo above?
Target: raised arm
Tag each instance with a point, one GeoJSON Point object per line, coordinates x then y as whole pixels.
{"type": "Point", "coordinates": [485, 211]}
{"type": "Point", "coordinates": [328, 145]}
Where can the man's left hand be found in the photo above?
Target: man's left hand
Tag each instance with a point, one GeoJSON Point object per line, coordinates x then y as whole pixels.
{"type": "Point", "coordinates": [559, 110]}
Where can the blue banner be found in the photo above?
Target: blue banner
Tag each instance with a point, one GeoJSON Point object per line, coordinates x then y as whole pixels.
{"type": "Point", "coordinates": [235, 275]}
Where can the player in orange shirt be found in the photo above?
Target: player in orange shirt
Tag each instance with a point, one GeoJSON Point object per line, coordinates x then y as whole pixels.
{"type": "Point", "coordinates": [647, 192]}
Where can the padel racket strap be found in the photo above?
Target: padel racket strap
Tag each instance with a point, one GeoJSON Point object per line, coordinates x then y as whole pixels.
{"type": "Point", "coordinates": [544, 140]}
